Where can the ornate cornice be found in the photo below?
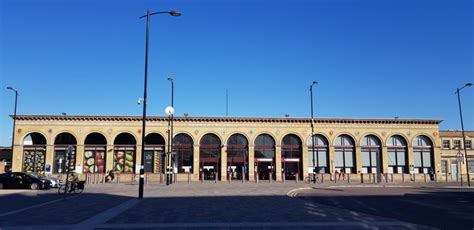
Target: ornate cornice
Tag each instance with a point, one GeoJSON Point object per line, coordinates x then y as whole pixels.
{"type": "Point", "coordinates": [362, 121]}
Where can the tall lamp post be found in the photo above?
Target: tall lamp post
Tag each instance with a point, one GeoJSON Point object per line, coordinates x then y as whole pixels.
{"type": "Point", "coordinates": [14, 114]}
{"type": "Point", "coordinates": [462, 128]}
{"type": "Point", "coordinates": [171, 127]}
{"type": "Point", "coordinates": [312, 129]}
{"type": "Point", "coordinates": [142, 171]}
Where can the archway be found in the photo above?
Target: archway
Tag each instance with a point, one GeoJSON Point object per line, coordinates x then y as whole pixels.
{"type": "Point", "coordinates": [209, 157]}
{"type": "Point", "coordinates": [34, 153]}
{"type": "Point", "coordinates": [61, 158]}
{"type": "Point", "coordinates": [237, 157]}
{"type": "Point", "coordinates": [397, 154]}
{"type": "Point", "coordinates": [183, 146]}
{"type": "Point", "coordinates": [423, 154]}
{"type": "Point", "coordinates": [154, 149]}
{"type": "Point", "coordinates": [95, 147]}
{"type": "Point", "coordinates": [318, 154]}
{"type": "Point", "coordinates": [345, 154]}
{"type": "Point", "coordinates": [264, 157]}
{"type": "Point", "coordinates": [291, 157]}
{"type": "Point", "coordinates": [124, 153]}
{"type": "Point", "coordinates": [371, 155]}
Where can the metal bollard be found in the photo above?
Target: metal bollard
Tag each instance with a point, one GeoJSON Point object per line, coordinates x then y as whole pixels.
{"type": "Point", "coordinates": [256, 178]}
{"type": "Point", "coordinates": [391, 176]}
{"type": "Point", "coordinates": [283, 177]}
{"type": "Point", "coordinates": [215, 177]}
{"type": "Point", "coordinates": [270, 177]}
{"type": "Point", "coordinates": [243, 178]}
{"type": "Point", "coordinates": [202, 177]}
{"type": "Point", "coordinates": [348, 178]}
{"type": "Point", "coordinates": [118, 179]}
{"type": "Point", "coordinates": [322, 178]}
{"type": "Point", "coordinates": [189, 178]}
{"type": "Point", "coordinates": [146, 178]}
{"type": "Point", "coordinates": [386, 177]}
{"type": "Point", "coordinates": [424, 177]}
{"type": "Point", "coordinates": [373, 178]}
{"type": "Point", "coordinates": [229, 176]}
{"type": "Point", "coordinates": [361, 178]}
{"type": "Point", "coordinates": [403, 177]}
{"type": "Point", "coordinates": [132, 179]}
{"type": "Point", "coordinates": [297, 177]}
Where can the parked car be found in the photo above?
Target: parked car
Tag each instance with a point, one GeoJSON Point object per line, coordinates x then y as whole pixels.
{"type": "Point", "coordinates": [21, 180]}
{"type": "Point", "coordinates": [55, 182]}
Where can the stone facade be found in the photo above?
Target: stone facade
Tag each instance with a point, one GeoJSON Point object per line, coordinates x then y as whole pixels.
{"type": "Point", "coordinates": [451, 146]}
{"type": "Point", "coordinates": [223, 127]}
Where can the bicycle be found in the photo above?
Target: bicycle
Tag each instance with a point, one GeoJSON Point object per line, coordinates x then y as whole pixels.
{"type": "Point", "coordinates": [76, 188]}
{"type": "Point", "coordinates": [310, 179]}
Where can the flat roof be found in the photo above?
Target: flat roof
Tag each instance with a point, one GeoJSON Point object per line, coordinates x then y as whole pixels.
{"type": "Point", "coordinates": [231, 119]}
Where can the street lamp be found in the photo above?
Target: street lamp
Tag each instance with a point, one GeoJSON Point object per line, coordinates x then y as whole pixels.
{"type": "Point", "coordinates": [312, 128]}
{"type": "Point", "coordinates": [170, 140]}
{"type": "Point", "coordinates": [462, 128]}
{"type": "Point", "coordinates": [169, 110]}
{"type": "Point", "coordinates": [142, 171]}
{"type": "Point", "coordinates": [14, 114]}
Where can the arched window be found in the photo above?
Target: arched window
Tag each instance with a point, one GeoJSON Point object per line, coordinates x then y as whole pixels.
{"type": "Point", "coordinates": [371, 158]}
{"type": "Point", "coordinates": [154, 147]}
{"type": "Point", "coordinates": [237, 147]}
{"type": "Point", "coordinates": [94, 153]}
{"type": "Point", "coordinates": [397, 154]}
{"type": "Point", "coordinates": [291, 153]}
{"type": "Point", "coordinates": [209, 156]}
{"type": "Point", "coordinates": [423, 154]}
{"type": "Point", "coordinates": [183, 146]}
{"type": "Point", "coordinates": [34, 153]}
{"type": "Point", "coordinates": [345, 154]}
{"type": "Point", "coordinates": [265, 147]}
{"type": "Point", "coordinates": [318, 154]}
{"type": "Point", "coordinates": [237, 156]}
{"type": "Point", "coordinates": [61, 158]}
{"type": "Point", "coordinates": [124, 153]}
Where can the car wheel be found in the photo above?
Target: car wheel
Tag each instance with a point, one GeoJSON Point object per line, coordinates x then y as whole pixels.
{"type": "Point", "coordinates": [34, 186]}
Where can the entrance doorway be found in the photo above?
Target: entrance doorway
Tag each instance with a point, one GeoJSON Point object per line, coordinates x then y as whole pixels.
{"type": "Point", "coordinates": [291, 168]}
{"type": "Point", "coordinates": [454, 170]}
{"type": "Point", "coordinates": [209, 169]}
{"type": "Point", "coordinates": [264, 169]}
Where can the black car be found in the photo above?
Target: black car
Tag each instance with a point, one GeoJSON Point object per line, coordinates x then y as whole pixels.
{"type": "Point", "coordinates": [19, 180]}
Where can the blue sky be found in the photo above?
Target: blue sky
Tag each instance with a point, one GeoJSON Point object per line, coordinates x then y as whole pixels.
{"type": "Point", "coordinates": [373, 59]}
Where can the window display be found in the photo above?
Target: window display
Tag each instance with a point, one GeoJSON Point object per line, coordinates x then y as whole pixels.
{"type": "Point", "coordinates": [34, 160]}
{"type": "Point", "coordinates": [94, 161]}
{"type": "Point", "coordinates": [124, 161]}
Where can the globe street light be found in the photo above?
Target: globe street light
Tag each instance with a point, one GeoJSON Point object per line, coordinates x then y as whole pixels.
{"type": "Point", "coordinates": [462, 128]}
{"type": "Point", "coordinates": [169, 110]}
{"type": "Point", "coordinates": [14, 114]}
{"type": "Point", "coordinates": [312, 128]}
{"type": "Point", "coordinates": [142, 171]}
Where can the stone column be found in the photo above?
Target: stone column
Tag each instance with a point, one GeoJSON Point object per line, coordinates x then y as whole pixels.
{"type": "Point", "coordinates": [332, 159]}
{"type": "Point", "coordinates": [223, 168]}
{"type": "Point", "coordinates": [80, 157]}
{"type": "Point", "coordinates": [196, 165]}
{"type": "Point", "coordinates": [50, 156]}
{"type": "Point", "coordinates": [358, 156]}
{"type": "Point", "coordinates": [251, 167]}
{"type": "Point", "coordinates": [304, 158]}
{"type": "Point", "coordinates": [384, 156]}
{"type": "Point", "coordinates": [277, 162]}
{"type": "Point", "coordinates": [109, 158]}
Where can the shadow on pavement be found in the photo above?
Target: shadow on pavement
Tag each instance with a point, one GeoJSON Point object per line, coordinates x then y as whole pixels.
{"type": "Point", "coordinates": [440, 208]}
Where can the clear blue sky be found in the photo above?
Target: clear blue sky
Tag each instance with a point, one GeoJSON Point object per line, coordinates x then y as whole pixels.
{"type": "Point", "coordinates": [373, 59]}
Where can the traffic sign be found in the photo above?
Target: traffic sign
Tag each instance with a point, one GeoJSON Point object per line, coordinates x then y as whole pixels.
{"type": "Point", "coordinates": [460, 157]}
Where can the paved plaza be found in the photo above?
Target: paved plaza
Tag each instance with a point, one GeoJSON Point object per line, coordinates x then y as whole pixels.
{"type": "Point", "coordinates": [242, 206]}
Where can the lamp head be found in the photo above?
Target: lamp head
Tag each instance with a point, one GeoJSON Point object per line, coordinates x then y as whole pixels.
{"type": "Point", "coordinates": [468, 84]}
{"type": "Point", "coordinates": [314, 82]}
{"type": "Point", "coordinates": [175, 13]}
{"type": "Point", "coordinates": [170, 79]}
